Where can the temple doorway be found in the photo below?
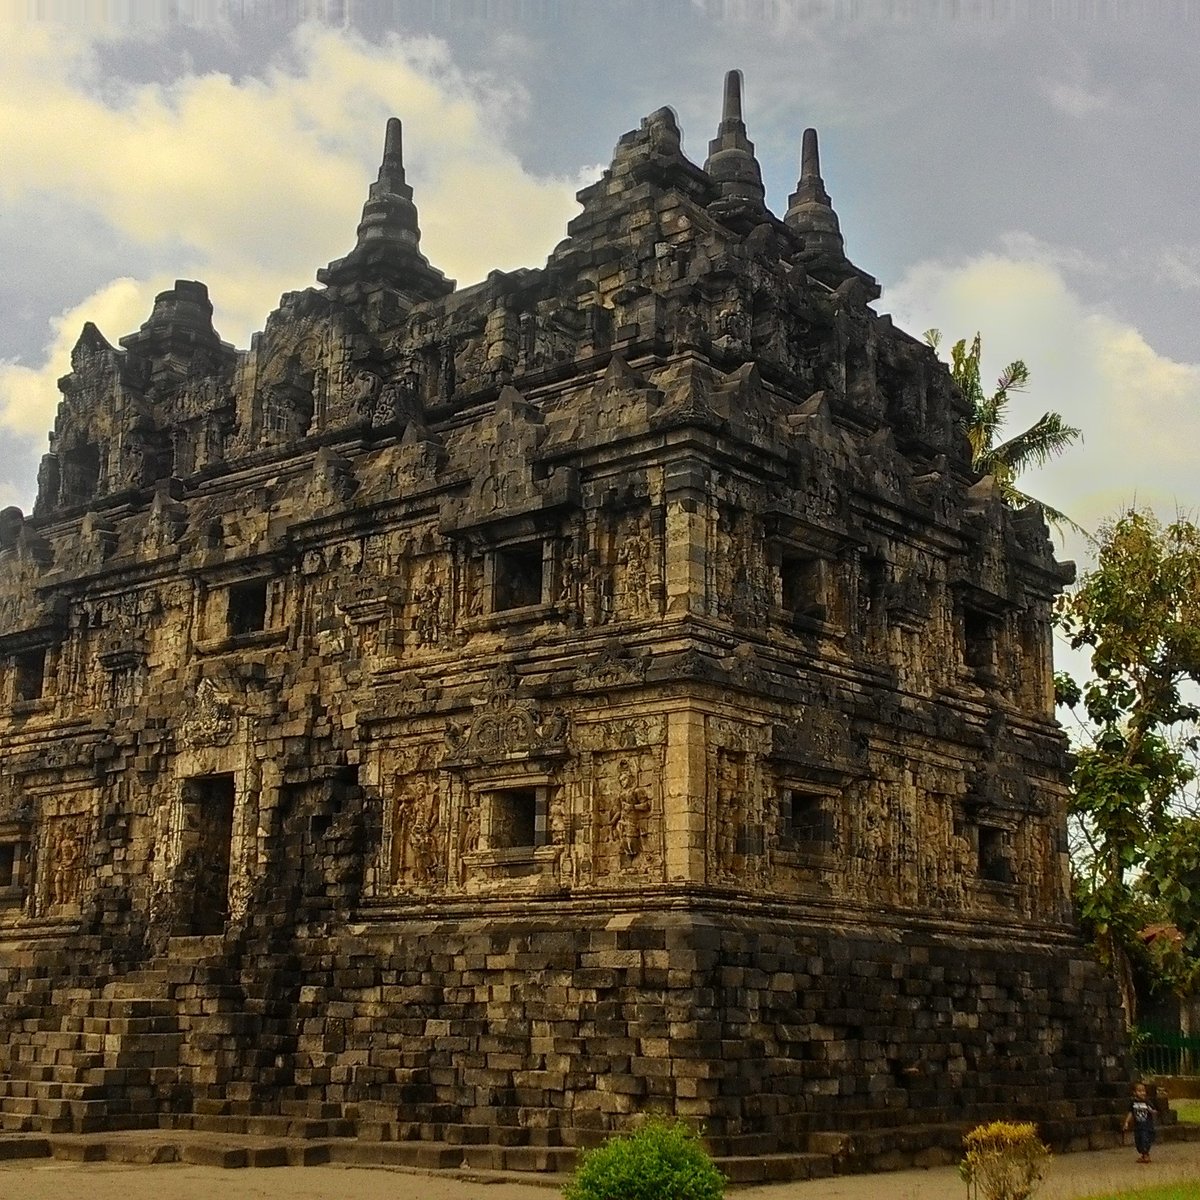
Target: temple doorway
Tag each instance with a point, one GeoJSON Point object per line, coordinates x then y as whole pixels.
{"type": "Point", "coordinates": [205, 852]}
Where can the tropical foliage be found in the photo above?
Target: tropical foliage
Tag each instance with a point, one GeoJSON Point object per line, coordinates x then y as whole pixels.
{"type": "Point", "coordinates": [1004, 460]}
{"type": "Point", "coordinates": [1137, 834]}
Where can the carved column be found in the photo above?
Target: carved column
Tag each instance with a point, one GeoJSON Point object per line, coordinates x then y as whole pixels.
{"type": "Point", "coordinates": [684, 785]}
{"type": "Point", "coordinates": [687, 536]}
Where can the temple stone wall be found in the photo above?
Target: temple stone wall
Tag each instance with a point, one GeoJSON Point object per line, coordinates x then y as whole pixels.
{"type": "Point", "coordinates": [370, 696]}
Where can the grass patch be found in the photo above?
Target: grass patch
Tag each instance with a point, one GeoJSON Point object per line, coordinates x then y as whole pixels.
{"type": "Point", "coordinates": [1166, 1191]}
{"type": "Point", "coordinates": [1188, 1110]}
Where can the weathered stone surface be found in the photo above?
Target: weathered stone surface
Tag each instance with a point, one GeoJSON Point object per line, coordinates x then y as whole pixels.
{"type": "Point", "coordinates": [602, 689]}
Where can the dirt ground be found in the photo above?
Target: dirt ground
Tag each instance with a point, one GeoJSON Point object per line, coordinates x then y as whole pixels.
{"type": "Point", "coordinates": [1071, 1177]}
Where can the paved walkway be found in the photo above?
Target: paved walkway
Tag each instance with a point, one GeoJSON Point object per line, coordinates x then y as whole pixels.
{"type": "Point", "coordinates": [1071, 1177]}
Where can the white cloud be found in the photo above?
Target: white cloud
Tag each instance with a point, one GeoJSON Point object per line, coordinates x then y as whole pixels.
{"type": "Point", "coordinates": [251, 184]}
{"type": "Point", "coordinates": [1139, 410]}
{"type": "Point", "coordinates": [1180, 266]}
{"type": "Point", "coordinates": [1019, 244]}
{"type": "Point", "coordinates": [1075, 100]}
{"type": "Point", "coordinates": [30, 393]}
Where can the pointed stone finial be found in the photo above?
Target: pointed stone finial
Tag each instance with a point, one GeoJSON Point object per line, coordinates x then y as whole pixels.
{"type": "Point", "coordinates": [731, 109]}
{"type": "Point", "coordinates": [389, 211]}
{"type": "Point", "coordinates": [810, 165]}
{"type": "Point", "coordinates": [810, 211]}
{"type": "Point", "coordinates": [731, 163]}
{"type": "Point", "coordinates": [393, 147]}
{"type": "Point", "coordinates": [389, 239]}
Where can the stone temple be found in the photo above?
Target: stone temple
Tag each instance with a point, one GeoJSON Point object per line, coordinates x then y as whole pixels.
{"type": "Point", "coordinates": [470, 719]}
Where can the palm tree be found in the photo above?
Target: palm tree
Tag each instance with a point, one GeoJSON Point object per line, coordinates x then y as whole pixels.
{"type": "Point", "coordinates": [1045, 439]}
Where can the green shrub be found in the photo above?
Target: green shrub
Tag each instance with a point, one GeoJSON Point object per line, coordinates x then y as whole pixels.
{"type": "Point", "coordinates": [1004, 1161]}
{"type": "Point", "coordinates": [662, 1161]}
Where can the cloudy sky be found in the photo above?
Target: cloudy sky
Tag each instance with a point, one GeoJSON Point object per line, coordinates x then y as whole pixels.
{"type": "Point", "coordinates": [1025, 169]}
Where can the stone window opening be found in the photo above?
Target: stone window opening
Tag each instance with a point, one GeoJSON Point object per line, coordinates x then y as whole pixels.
{"type": "Point", "coordinates": [80, 473]}
{"type": "Point", "coordinates": [247, 611]}
{"type": "Point", "coordinates": [29, 675]}
{"type": "Point", "coordinates": [518, 576]}
{"type": "Point", "coordinates": [993, 864]}
{"type": "Point", "coordinates": [517, 818]}
{"type": "Point", "coordinates": [12, 864]}
{"type": "Point", "coordinates": [979, 643]}
{"type": "Point", "coordinates": [803, 587]}
{"type": "Point", "coordinates": [805, 819]}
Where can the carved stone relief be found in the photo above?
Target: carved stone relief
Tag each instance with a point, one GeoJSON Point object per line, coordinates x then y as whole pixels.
{"type": "Point", "coordinates": [728, 813]}
{"type": "Point", "coordinates": [743, 583]}
{"type": "Point", "coordinates": [427, 603]}
{"type": "Point", "coordinates": [210, 720]}
{"type": "Point", "coordinates": [62, 857]}
{"type": "Point", "coordinates": [506, 726]}
{"type": "Point", "coordinates": [468, 830]}
{"type": "Point", "coordinates": [635, 568]}
{"type": "Point", "coordinates": [417, 843]}
{"type": "Point", "coordinates": [628, 806]}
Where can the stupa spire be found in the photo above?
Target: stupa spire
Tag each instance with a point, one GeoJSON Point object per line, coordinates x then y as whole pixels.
{"type": "Point", "coordinates": [731, 163]}
{"type": "Point", "coordinates": [388, 251]}
{"type": "Point", "coordinates": [810, 211]}
{"type": "Point", "coordinates": [393, 151]}
{"type": "Point", "coordinates": [731, 108]}
{"type": "Point", "coordinates": [810, 166]}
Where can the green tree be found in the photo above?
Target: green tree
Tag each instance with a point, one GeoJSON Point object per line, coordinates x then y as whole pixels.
{"type": "Point", "coordinates": [1045, 439]}
{"type": "Point", "coordinates": [1137, 857]}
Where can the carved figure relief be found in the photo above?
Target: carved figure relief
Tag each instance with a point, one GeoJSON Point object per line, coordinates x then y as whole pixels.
{"type": "Point", "coordinates": [729, 813]}
{"type": "Point", "coordinates": [570, 574]}
{"type": "Point", "coordinates": [633, 558]}
{"type": "Point", "coordinates": [628, 814]}
{"type": "Point", "coordinates": [468, 833]}
{"type": "Point", "coordinates": [416, 840]}
{"type": "Point", "coordinates": [743, 583]}
{"type": "Point", "coordinates": [62, 854]}
{"type": "Point", "coordinates": [427, 605]}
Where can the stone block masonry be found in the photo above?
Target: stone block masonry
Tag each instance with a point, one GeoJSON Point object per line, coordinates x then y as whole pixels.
{"type": "Point", "coordinates": [488, 715]}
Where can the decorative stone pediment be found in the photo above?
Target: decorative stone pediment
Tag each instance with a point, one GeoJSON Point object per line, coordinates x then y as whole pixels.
{"type": "Point", "coordinates": [211, 719]}
{"type": "Point", "coordinates": [329, 483]}
{"type": "Point", "coordinates": [819, 740]}
{"type": "Point", "coordinates": [166, 521]}
{"type": "Point", "coordinates": [505, 479]}
{"type": "Point", "coordinates": [886, 472]}
{"type": "Point", "coordinates": [610, 669]}
{"type": "Point", "coordinates": [506, 727]}
{"type": "Point", "coordinates": [621, 401]}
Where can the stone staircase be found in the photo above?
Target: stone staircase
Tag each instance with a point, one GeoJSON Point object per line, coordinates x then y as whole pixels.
{"type": "Point", "coordinates": [84, 1063]}
{"type": "Point", "coordinates": [108, 1064]}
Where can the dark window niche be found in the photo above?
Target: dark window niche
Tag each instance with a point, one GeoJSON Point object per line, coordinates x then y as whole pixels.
{"type": "Point", "coordinates": [805, 819]}
{"type": "Point", "coordinates": [979, 637]}
{"type": "Point", "coordinates": [29, 675]}
{"type": "Point", "coordinates": [517, 577]}
{"type": "Point", "coordinates": [248, 607]}
{"type": "Point", "coordinates": [10, 858]}
{"type": "Point", "coordinates": [803, 587]}
{"type": "Point", "coordinates": [515, 820]}
{"type": "Point", "coordinates": [80, 477]}
{"type": "Point", "coordinates": [993, 857]}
